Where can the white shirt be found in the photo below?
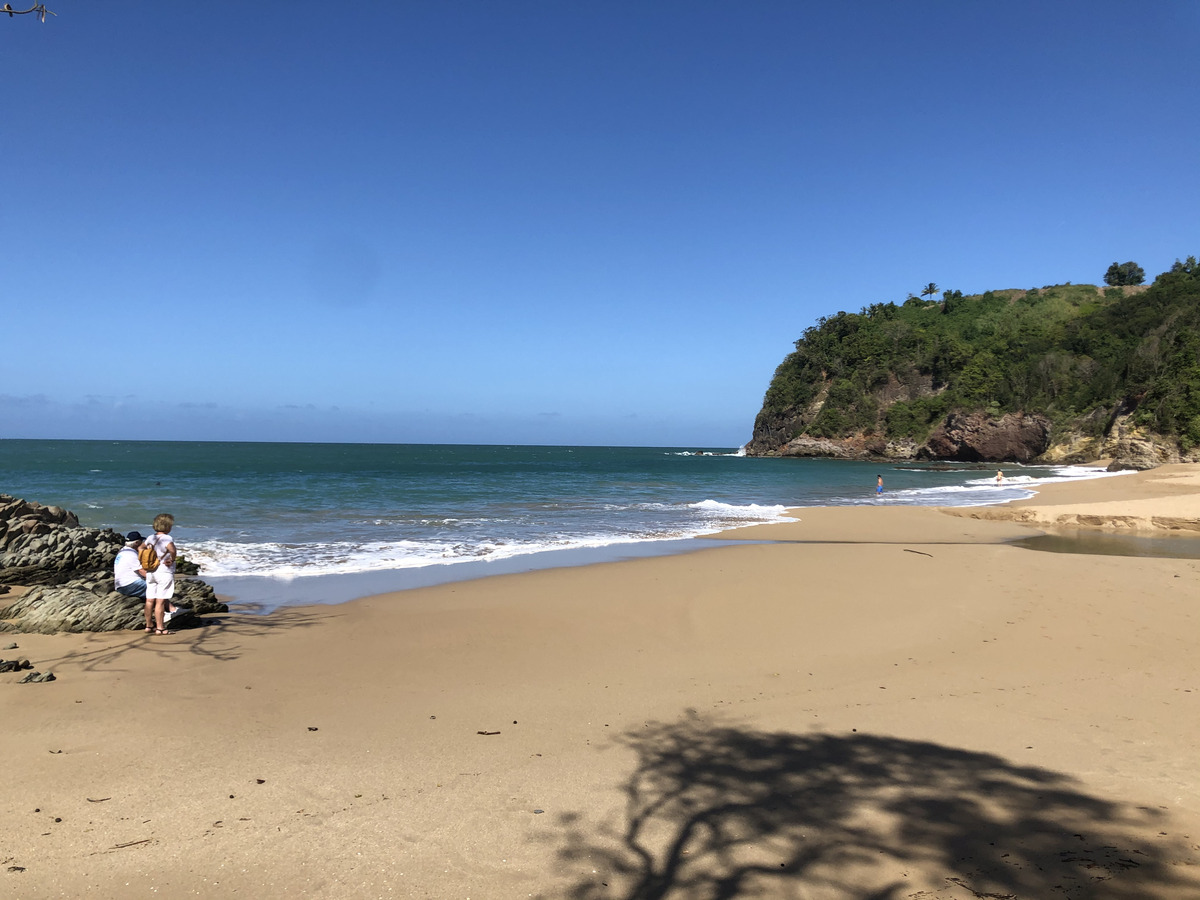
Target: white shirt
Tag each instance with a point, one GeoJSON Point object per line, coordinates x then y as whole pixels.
{"type": "Point", "coordinates": [125, 567]}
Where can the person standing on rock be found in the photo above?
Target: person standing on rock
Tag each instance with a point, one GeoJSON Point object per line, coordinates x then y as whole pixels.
{"type": "Point", "coordinates": [160, 583]}
{"type": "Point", "coordinates": [128, 574]}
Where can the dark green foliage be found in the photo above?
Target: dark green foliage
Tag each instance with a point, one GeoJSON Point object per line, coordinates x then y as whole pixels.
{"type": "Point", "coordinates": [1125, 273]}
{"type": "Point", "coordinates": [914, 418]}
{"type": "Point", "coordinates": [1067, 351]}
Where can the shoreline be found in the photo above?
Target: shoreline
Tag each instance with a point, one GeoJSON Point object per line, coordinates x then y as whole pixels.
{"type": "Point", "coordinates": [1164, 500]}
{"type": "Point", "coordinates": [870, 699]}
{"type": "Point", "coordinates": [261, 594]}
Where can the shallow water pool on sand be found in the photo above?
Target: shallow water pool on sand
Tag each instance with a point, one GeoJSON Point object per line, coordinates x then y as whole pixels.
{"type": "Point", "coordinates": [1104, 544]}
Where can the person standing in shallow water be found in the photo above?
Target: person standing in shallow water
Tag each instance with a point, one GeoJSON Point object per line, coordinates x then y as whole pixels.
{"type": "Point", "coordinates": [878, 484]}
{"type": "Point", "coordinates": [999, 478]}
{"type": "Point", "coordinates": [160, 584]}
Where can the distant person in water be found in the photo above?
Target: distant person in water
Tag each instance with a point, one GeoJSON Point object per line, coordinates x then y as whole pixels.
{"type": "Point", "coordinates": [878, 484]}
{"type": "Point", "coordinates": [999, 478]}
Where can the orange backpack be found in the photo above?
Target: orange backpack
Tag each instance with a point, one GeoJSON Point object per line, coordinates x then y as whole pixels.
{"type": "Point", "coordinates": [148, 557]}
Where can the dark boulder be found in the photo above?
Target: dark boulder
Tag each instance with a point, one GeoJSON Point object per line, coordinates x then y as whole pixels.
{"type": "Point", "coordinates": [977, 437]}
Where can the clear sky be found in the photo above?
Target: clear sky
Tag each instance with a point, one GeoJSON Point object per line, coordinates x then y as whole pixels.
{"type": "Point", "coordinates": [545, 222]}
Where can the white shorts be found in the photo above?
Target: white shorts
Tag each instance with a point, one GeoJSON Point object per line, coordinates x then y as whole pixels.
{"type": "Point", "coordinates": [160, 584]}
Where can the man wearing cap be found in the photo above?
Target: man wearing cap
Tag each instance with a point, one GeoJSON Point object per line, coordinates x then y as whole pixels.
{"type": "Point", "coordinates": [128, 573]}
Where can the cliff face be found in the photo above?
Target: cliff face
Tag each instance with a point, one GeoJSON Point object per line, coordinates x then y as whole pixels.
{"type": "Point", "coordinates": [976, 437]}
{"type": "Point", "coordinates": [966, 437]}
{"type": "Point", "coordinates": [782, 433]}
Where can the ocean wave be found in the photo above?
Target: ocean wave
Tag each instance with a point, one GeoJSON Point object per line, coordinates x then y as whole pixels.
{"type": "Point", "coordinates": [739, 452]}
{"type": "Point", "coordinates": [741, 511]}
{"type": "Point", "coordinates": [223, 558]}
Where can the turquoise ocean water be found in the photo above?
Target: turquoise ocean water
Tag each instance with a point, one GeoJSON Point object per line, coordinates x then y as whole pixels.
{"type": "Point", "coordinates": [262, 514]}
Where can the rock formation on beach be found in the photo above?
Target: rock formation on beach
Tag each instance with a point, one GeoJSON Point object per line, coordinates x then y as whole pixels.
{"type": "Point", "coordinates": [972, 437]}
{"type": "Point", "coordinates": [67, 569]}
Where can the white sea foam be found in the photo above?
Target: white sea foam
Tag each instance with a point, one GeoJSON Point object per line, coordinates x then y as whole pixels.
{"type": "Point", "coordinates": [222, 558]}
{"type": "Point", "coordinates": [287, 560]}
{"type": "Point", "coordinates": [983, 491]}
{"type": "Point", "coordinates": [745, 511]}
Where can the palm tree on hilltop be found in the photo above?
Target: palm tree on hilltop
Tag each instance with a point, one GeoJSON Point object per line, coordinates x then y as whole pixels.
{"type": "Point", "coordinates": [930, 290]}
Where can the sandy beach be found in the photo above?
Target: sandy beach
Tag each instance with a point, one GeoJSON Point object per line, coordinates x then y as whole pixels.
{"type": "Point", "coordinates": [869, 702]}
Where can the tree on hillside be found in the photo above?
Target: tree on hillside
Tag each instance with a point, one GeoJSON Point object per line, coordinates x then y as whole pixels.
{"type": "Point", "coordinates": [929, 290]}
{"type": "Point", "coordinates": [1119, 274]}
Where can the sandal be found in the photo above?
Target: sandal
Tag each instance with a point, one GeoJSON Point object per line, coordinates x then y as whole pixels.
{"type": "Point", "coordinates": [149, 631]}
{"type": "Point", "coordinates": [163, 631]}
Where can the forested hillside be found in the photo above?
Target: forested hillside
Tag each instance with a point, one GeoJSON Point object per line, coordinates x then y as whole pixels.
{"type": "Point", "coordinates": [1079, 358]}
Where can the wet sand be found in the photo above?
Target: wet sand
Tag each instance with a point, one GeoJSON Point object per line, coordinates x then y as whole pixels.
{"type": "Point", "coordinates": [877, 702]}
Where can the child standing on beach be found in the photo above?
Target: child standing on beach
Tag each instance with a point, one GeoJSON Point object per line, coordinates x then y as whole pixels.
{"type": "Point", "coordinates": [879, 484]}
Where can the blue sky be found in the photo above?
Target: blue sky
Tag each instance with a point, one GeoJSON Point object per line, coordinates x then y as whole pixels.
{"type": "Point", "coordinates": [545, 222]}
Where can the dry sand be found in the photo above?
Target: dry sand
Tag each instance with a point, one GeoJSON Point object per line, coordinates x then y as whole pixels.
{"type": "Point", "coordinates": [878, 703]}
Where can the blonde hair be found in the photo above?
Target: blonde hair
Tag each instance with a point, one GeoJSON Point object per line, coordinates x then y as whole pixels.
{"type": "Point", "coordinates": [163, 522]}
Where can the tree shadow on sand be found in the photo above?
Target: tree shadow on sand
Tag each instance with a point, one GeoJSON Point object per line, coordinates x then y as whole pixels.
{"type": "Point", "coordinates": [220, 638]}
{"type": "Point", "coordinates": [717, 812]}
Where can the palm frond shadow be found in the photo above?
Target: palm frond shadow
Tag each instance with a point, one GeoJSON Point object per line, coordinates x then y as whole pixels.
{"type": "Point", "coordinates": [718, 812]}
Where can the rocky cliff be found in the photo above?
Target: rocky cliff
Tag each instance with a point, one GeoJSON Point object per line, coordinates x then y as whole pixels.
{"type": "Point", "coordinates": [980, 437]}
{"type": "Point", "coordinates": [965, 437]}
{"type": "Point", "coordinates": [977, 437]}
{"type": "Point", "coordinates": [67, 569]}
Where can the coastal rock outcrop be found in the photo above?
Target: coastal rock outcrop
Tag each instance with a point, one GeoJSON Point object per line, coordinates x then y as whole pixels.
{"type": "Point", "coordinates": [977, 437]}
{"type": "Point", "coordinates": [67, 569]}
{"type": "Point", "coordinates": [855, 447]}
{"type": "Point", "coordinates": [1130, 446]}
{"type": "Point", "coordinates": [90, 604]}
{"type": "Point", "coordinates": [47, 545]}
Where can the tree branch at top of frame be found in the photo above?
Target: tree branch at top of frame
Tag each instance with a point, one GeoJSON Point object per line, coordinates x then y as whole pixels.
{"type": "Point", "coordinates": [38, 9]}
